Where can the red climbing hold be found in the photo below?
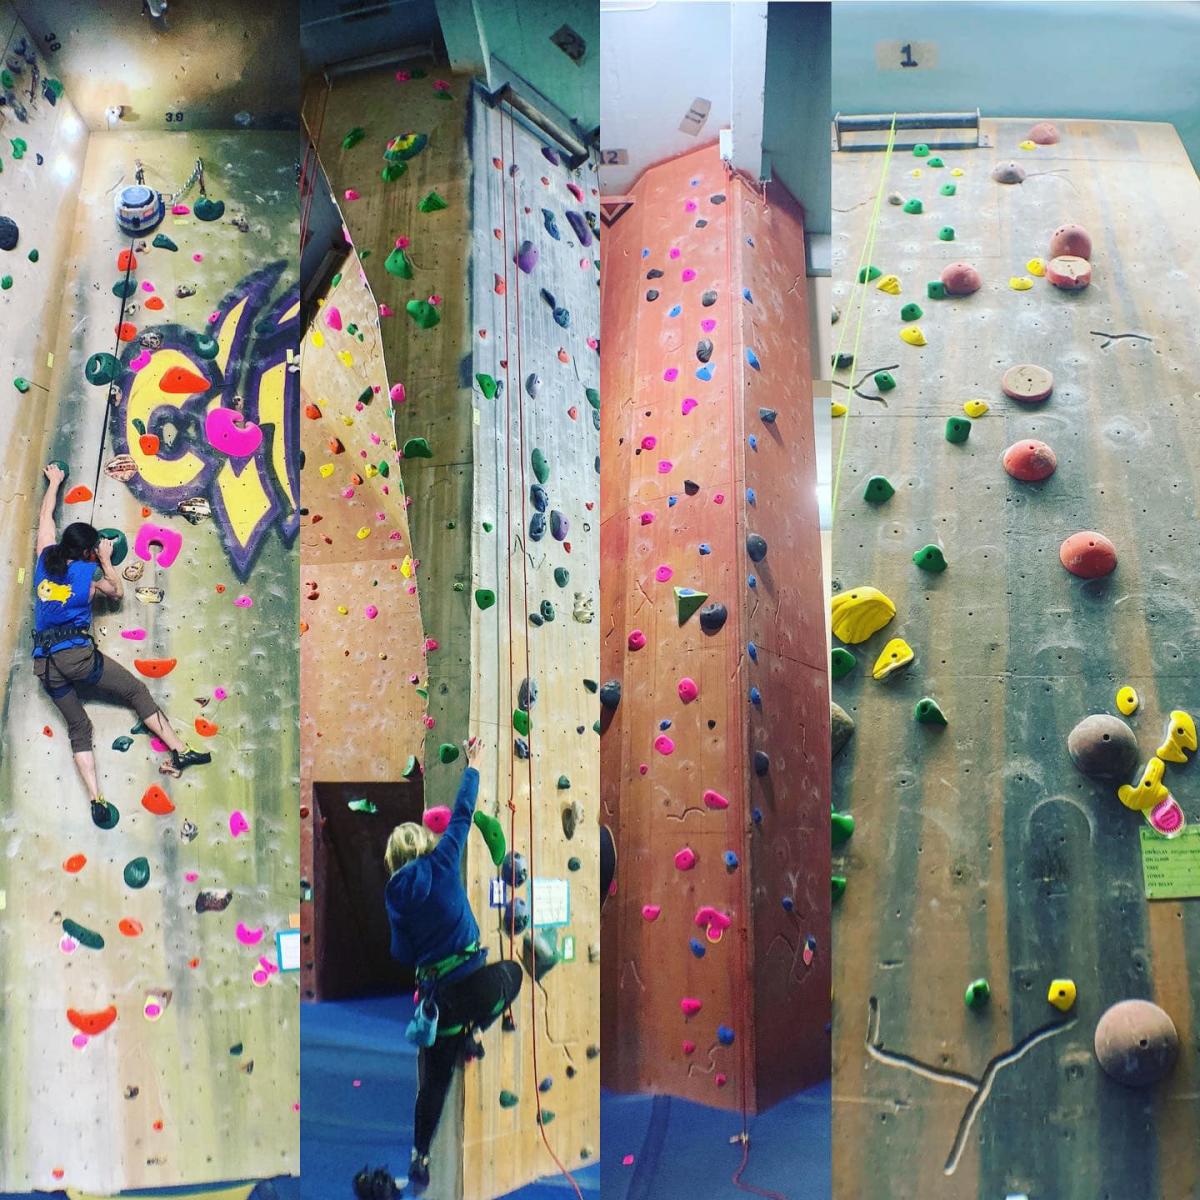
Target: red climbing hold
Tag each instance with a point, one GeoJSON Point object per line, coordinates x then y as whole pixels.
{"type": "Point", "coordinates": [148, 443]}
{"type": "Point", "coordinates": [79, 494]}
{"type": "Point", "coordinates": [156, 801]}
{"type": "Point", "coordinates": [129, 927]}
{"type": "Point", "coordinates": [154, 303]}
{"type": "Point", "coordinates": [179, 381]}
{"type": "Point", "coordinates": [92, 1023]}
{"type": "Point", "coordinates": [1030, 461]}
{"type": "Point", "coordinates": [126, 261]}
{"type": "Point", "coordinates": [1089, 555]}
{"type": "Point", "coordinates": [1072, 240]}
{"type": "Point", "coordinates": [155, 668]}
{"type": "Point", "coordinates": [689, 1047]}
{"type": "Point", "coordinates": [75, 864]}
{"type": "Point", "coordinates": [961, 279]}
{"type": "Point", "coordinates": [126, 332]}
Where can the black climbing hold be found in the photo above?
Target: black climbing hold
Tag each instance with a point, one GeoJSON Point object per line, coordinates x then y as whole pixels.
{"type": "Point", "coordinates": [654, 273]}
{"type": "Point", "coordinates": [713, 617]}
{"type": "Point", "coordinates": [691, 487]}
{"type": "Point", "coordinates": [610, 694]}
{"type": "Point", "coordinates": [591, 685]}
{"type": "Point", "coordinates": [652, 293]}
{"type": "Point", "coordinates": [573, 864]}
{"type": "Point", "coordinates": [843, 362]}
{"type": "Point", "coordinates": [767, 416]}
{"type": "Point", "coordinates": [537, 527]}
{"type": "Point", "coordinates": [762, 763]}
{"type": "Point", "coordinates": [547, 610]}
{"type": "Point", "coordinates": [718, 198]}
{"type": "Point", "coordinates": [527, 694]}
{"type": "Point", "coordinates": [9, 232]}
{"type": "Point", "coordinates": [708, 299]}
{"type": "Point", "coordinates": [756, 547]}
{"type": "Point", "coordinates": [539, 497]}
{"type": "Point", "coordinates": [704, 349]}
{"type": "Point", "coordinates": [535, 619]}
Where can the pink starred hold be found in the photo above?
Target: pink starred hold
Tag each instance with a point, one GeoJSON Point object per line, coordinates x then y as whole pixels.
{"type": "Point", "coordinates": [688, 689]}
{"type": "Point", "coordinates": [350, 194]}
{"type": "Point", "coordinates": [371, 612]}
{"type": "Point", "coordinates": [649, 442]}
{"type": "Point", "coordinates": [688, 275]}
{"type": "Point", "coordinates": [428, 722]}
{"type": "Point", "coordinates": [663, 573]}
{"type": "Point", "coordinates": [575, 191]}
{"type": "Point", "coordinates": [647, 518]}
{"type": "Point", "coordinates": [437, 820]}
{"type": "Point", "coordinates": [685, 859]}
{"type": "Point", "coordinates": [244, 601]}
{"type": "Point", "coordinates": [690, 1006]}
{"type": "Point", "coordinates": [650, 912]}
{"type": "Point", "coordinates": [238, 823]}
{"type": "Point", "coordinates": [714, 800]}
{"type": "Point", "coordinates": [260, 978]}
{"type": "Point", "coordinates": [440, 85]}
{"type": "Point", "coordinates": [664, 745]}
{"type": "Point", "coordinates": [665, 467]}
{"type": "Point", "coordinates": [347, 493]}
{"type": "Point", "coordinates": [402, 243]}
{"type": "Point", "coordinates": [674, 252]}
{"type": "Point", "coordinates": [671, 374]}
{"type": "Point", "coordinates": [637, 639]}
{"type": "Point", "coordinates": [689, 403]}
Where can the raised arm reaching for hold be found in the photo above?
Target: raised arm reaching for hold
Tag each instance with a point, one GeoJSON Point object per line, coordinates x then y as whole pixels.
{"type": "Point", "coordinates": [47, 534]}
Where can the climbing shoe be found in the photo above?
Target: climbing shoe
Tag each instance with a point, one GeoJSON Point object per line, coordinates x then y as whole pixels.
{"type": "Point", "coordinates": [418, 1172]}
{"type": "Point", "coordinates": [104, 815]}
{"type": "Point", "coordinates": [189, 758]}
{"type": "Point", "coordinates": [376, 1185]}
{"type": "Point", "coordinates": [472, 1048]}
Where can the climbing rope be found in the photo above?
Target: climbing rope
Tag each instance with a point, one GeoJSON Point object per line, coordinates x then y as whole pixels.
{"type": "Point", "coordinates": [859, 292]}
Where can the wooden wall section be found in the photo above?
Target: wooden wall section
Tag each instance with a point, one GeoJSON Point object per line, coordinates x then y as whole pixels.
{"type": "Point", "coordinates": [470, 511]}
{"type": "Point", "coordinates": [683, 487]}
{"type": "Point", "coordinates": [979, 850]}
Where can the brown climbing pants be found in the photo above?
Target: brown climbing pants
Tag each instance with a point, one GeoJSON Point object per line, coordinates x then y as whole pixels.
{"type": "Point", "coordinates": [115, 685]}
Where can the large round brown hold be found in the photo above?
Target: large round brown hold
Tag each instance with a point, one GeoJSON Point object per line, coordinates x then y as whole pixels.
{"type": "Point", "coordinates": [961, 279]}
{"type": "Point", "coordinates": [1044, 134]}
{"type": "Point", "coordinates": [1027, 383]}
{"type": "Point", "coordinates": [1071, 239]}
{"type": "Point", "coordinates": [1089, 554]}
{"type": "Point", "coordinates": [1030, 461]}
{"type": "Point", "coordinates": [841, 728]}
{"type": "Point", "coordinates": [1136, 1043]}
{"type": "Point", "coordinates": [1103, 747]}
{"type": "Point", "coordinates": [1069, 273]}
{"type": "Point", "coordinates": [1008, 172]}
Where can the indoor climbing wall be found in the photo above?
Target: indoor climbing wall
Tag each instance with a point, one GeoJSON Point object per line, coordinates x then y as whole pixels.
{"type": "Point", "coordinates": [995, 901]}
{"type": "Point", "coordinates": [715, 694]}
{"type": "Point", "coordinates": [362, 652]}
{"type": "Point", "coordinates": [480, 244]}
{"type": "Point", "coordinates": [150, 1031]}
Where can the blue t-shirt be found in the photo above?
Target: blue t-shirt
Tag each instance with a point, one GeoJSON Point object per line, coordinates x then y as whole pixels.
{"type": "Point", "coordinates": [62, 602]}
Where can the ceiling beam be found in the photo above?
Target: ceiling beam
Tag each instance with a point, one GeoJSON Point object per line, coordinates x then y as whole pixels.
{"type": "Point", "coordinates": [748, 83]}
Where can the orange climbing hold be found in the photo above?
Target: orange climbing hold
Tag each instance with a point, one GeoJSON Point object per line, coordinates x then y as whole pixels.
{"type": "Point", "coordinates": [129, 927]}
{"type": "Point", "coordinates": [75, 864]}
{"type": "Point", "coordinates": [126, 261]}
{"type": "Point", "coordinates": [156, 801]}
{"type": "Point", "coordinates": [155, 668]}
{"type": "Point", "coordinates": [206, 728]}
{"type": "Point", "coordinates": [312, 412]}
{"type": "Point", "coordinates": [179, 381]}
{"type": "Point", "coordinates": [92, 1023]}
{"type": "Point", "coordinates": [336, 447]}
{"type": "Point", "coordinates": [154, 303]}
{"type": "Point", "coordinates": [79, 494]}
{"type": "Point", "coordinates": [126, 332]}
{"type": "Point", "coordinates": [148, 443]}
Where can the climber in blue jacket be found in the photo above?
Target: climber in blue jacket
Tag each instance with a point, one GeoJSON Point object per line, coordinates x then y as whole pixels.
{"type": "Point", "coordinates": [434, 929]}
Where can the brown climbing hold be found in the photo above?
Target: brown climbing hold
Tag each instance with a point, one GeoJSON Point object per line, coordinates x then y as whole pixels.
{"type": "Point", "coordinates": [1070, 239]}
{"type": "Point", "coordinates": [841, 728]}
{"type": "Point", "coordinates": [961, 279]}
{"type": "Point", "coordinates": [1044, 134]}
{"type": "Point", "coordinates": [1008, 172]}
{"type": "Point", "coordinates": [1089, 555]}
{"type": "Point", "coordinates": [1069, 272]}
{"type": "Point", "coordinates": [1030, 461]}
{"type": "Point", "coordinates": [1103, 747]}
{"type": "Point", "coordinates": [1027, 383]}
{"type": "Point", "coordinates": [1136, 1043]}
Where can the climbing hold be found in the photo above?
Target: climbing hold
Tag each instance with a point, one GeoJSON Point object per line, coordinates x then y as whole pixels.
{"type": "Point", "coordinates": [767, 416]}
{"type": "Point", "coordinates": [527, 257]}
{"type": "Point", "coordinates": [936, 290]}
{"type": "Point", "coordinates": [859, 613]}
{"type": "Point", "coordinates": [920, 150]}
{"type": "Point", "coordinates": [948, 189]}
{"type": "Point", "coordinates": [447, 752]}
{"type": "Point", "coordinates": [1072, 241]}
{"type": "Point", "coordinates": [975, 408]}
{"type": "Point", "coordinates": [432, 203]}
{"type": "Point", "coordinates": [1030, 461]}
{"type": "Point", "coordinates": [1069, 273]}
{"type": "Point", "coordinates": [1136, 1043]}
{"type": "Point", "coordinates": [206, 209]}
{"type": "Point", "coordinates": [485, 598]}
{"type": "Point", "coordinates": [884, 381]}
{"type": "Point", "coordinates": [1035, 266]}
{"type": "Point", "coordinates": [889, 284]}
{"type": "Point", "coordinates": [493, 835]}
{"type": "Point", "coordinates": [841, 725]}
{"type": "Point", "coordinates": [1103, 747]}
{"type": "Point", "coordinates": [137, 873]}
{"type": "Point", "coordinates": [1127, 701]}
{"type": "Point", "coordinates": [878, 490]}
{"type": "Point", "coordinates": [714, 799]}
{"type": "Point", "coordinates": [92, 1024]}
{"type": "Point", "coordinates": [687, 689]}
{"type": "Point", "coordinates": [958, 429]}
{"type": "Point", "coordinates": [913, 206]}
{"type": "Point", "coordinates": [869, 273]}
{"type": "Point", "coordinates": [487, 385]}
{"type": "Point", "coordinates": [610, 694]}
{"type": "Point", "coordinates": [1008, 172]}
{"type": "Point", "coordinates": [713, 617]}
{"type": "Point", "coordinates": [838, 885]}
{"type": "Point", "coordinates": [1027, 382]}
{"type": "Point", "coordinates": [978, 993]}
{"type": "Point", "coordinates": [1043, 134]}
{"type": "Point", "coordinates": [1062, 994]}
{"type": "Point", "coordinates": [761, 762]}
{"type": "Point", "coordinates": [84, 936]}
{"type": "Point", "coordinates": [913, 336]}
{"type": "Point", "coordinates": [690, 1006]}
{"type": "Point", "coordinates": [80, 493]}
{"type": "Point", "coordinates": [154, 668]}
{"type": "Point", "coordinates": [930, 558]}
{"type": "Point", "coordinates": [1149, 789]}
{"type": "Point", "coordinates": [353, 137]}
{"type": "Point", "coordinates": [927, 712]}
{"type": "Point", "coordinates": [961, 279]}
{"type": "Point", "coordinates": [105, 814]}
{"type": "Point", "coordinates": [9, 233]}
{"type": "Point", "coordinates": [756, 547]}
{"type": "Point", "coordinates": [398, 263]}
{"type": "Point", "coordinates": [946, 233]}
{"type": "Point", "coordinates": [541, 468]}
{"type": "Point", "coordinates": [1166, 818]}
{"type": "Point", "coordinates": [1179, 737]}
{"type": "Point", "coordinates": [636, 640]}
{"type": "Point", "coordinates": [521, 722]}
{"type": "Point", "coordinates": [417, 447]}
{"type": "Point", "coordinates": [841, 662]}
{"type": "Point", "coordinates": [156, 801]}
{"type": "Point", "coordinates": [1020, 283]}
{"type": "Point", "coordinates": [1088, 554]}
{"type": "Point", "coordinates": [911, 312]}
{"type": "Point", "coordinates": [424, 313]}
{"type": "Point", "coordinates": [101, 369]}
{"type": "Point", "coordinates": [162, 242]}
{"type": "Point", "coordinates": [896, 655]}
{"type": "Point", "coordinates": [685, 859]}
{"type": "Point", "coordinates": [507, 1099]}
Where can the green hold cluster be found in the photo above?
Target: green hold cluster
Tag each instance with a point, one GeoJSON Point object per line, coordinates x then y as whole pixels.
{"type": "Point", "coordinates": [392, 171]}
{"type": "Point", "coordinates": [935, 162]}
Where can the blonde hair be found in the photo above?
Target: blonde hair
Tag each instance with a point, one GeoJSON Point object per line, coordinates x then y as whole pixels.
{"type": "Point", "coordinates": [408, 842]}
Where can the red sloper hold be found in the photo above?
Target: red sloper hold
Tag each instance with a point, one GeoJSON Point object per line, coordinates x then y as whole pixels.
{"type": "Point", "coordinates": [1030, 461]}
{"type": "Point", "coordinates": [92, 1023]}
{"type": "Point", "coordinates": [1089, 555]}
{"type": "Point", "coordinates": [179, 381]}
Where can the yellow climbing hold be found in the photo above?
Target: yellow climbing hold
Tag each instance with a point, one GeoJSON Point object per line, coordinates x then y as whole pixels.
{"type": "Point", "coordinates": [1020, 283]}
{"type": "Point", "coordinates": [345, 358]}
{"type": "Point", "coordinates": [957, 171]}
{"type": "Point", "coordinates": [406, 567]}
{"type": "Point", "coordinates": [363, 533]}
{"type": "Point", "coordinates": [915, 172]}
{"type": "Point", "coordinates": [975, 408]}
{"type": "Point", "coordinates": [371, 470]}
{"type": "Point", "coordinates": [325, 470]}
{"type": "Point", "coordinates": [838, 409]}
{"type": "Point", "coordinates": [1062, 994]}
{"type": "Point", "coordinates": [1035, 266]}
{"type": "Point", "coordinates": [897, 655]}
{"type": "Point", "coordinates": [1180, 735]}
{"type": "Point", "coordinates": [859, 613]}
{"type": "Point", "coordinates": [1027, 145]}
{"type": "Point", "coordinates": [1127, 701]}
{"type": "Point", "coordinates": [343, 610]}
{"type": "Point", "coordinates": [1148, 791]}
{"type": "Point", "coordinates": [347, 420]}
{"type": "Point", "coordinates": [318, 338]}
{"type": "Point", "coordinates": [890, 284]}
{"type": "Point", "coordinates": [913, 336]}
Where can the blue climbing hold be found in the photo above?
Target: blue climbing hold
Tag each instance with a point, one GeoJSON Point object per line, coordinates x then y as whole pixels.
{"type": "Point", "coordinates": [752, 359]}
{"type": "Point", "coordinates": [753, 442]}
{"type": "Point", "coordinates": [671, 501]}
{"type": "Point", "coordinates": [664, 724]}
{"type": "Point", "coordinates": [696, 948]}
{"type": "Point", "coordinates": [675, 311]}
{"type": "Point", "coordinates": [752, 650]}
{"type": "Point", "coordinates": [705, 548]}
{"type": "Point", "coordinates": [756, 815]}
{"type": "Point", "coordinates": [724, 1035]}
{"type": "Point", "coordinates": [750, 496]}
{"type": "Point", "coordinates": [755, 697]}
{"type": "Point", "coordinates": [645, 252]}
{"type": "Point", "coordinates": [746, 293]}
{"type": "Point", "coordinates": [731, 861]}
{"type": "Point", "coordinates": [705, 373]}
{"type": "Point", "coordinates": [552, 225]}
{"type": "Point", "coordinates": [751, 581]}
{"type": "Point", "coordinates": [788, 903]}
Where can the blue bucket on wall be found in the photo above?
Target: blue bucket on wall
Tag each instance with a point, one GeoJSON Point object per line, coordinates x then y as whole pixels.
{"type": "Point", "coordinates": [139, 210]}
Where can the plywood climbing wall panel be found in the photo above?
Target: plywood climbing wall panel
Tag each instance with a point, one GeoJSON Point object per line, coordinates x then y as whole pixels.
{"type": "Point", "coordinates": [979, 851]}
{"type": "Point", "coordinates": [698, 828]}
{"type": "Point", "coordinates": [196, 1079]}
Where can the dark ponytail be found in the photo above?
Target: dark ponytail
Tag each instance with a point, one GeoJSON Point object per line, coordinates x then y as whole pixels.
{"type": "Point", "coordinates": [78, 541]}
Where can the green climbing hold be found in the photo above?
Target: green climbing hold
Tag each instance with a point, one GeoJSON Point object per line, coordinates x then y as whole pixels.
{"type": "Point", "coordinates": [545, 1117]}
{"type": "Point", "coordinates": [593, 398]}
{"type": "Point", "coordinates": [432, 203]}
{"type": "Point", "coordinates": [487, 526]}
{"type": "Point", "coordinates": [563, 783]}
{"type": "Point", "coordinates": [493, 835]}
{"type": "Point", "coordinates": [948, 189]}
{"type": "Point", "coordinates": [425, 314]}
{"type": "Point", "coordinates": [487, 385]}
{"type": "Point", "coordinates": [547, 610]}
{"type": "Point", "coordinates": [958, 429]}
{"type": "Point", "coordinates": [936, 290]}
{"type": "Point", "coordinates": [541, 468]}
{"type": "Point", "coordinates": [120, 550]}
{"type": "Point", "coordinates": [137, 873]}
{"type": "Point", "coordinates": [946, 233]}
{"type": "Point", "coordinates": [417, 447]}
{"type": "Point", "coordinates": [34, 256]}
{"type": "Point", "coordinates": [399, 264]}
{"type": "Point", "coordinates": [927, 712]}
{"type": "Point", "coordinates": [562, 576]}
{"type": "Point", "coordinates": [411, 768]}
{"type": "Point", "coordinates": [911, 312]}
{"type": "Point", "coordinates": [508, 1099]}
{"type": "Point", "coordinates": [930, 558]}
{"type": "Point", "coordinates": [884, 380]}
{"type": "Point", "coordinates": [920, 150]}
{"type": "Point", "coordinates": [19, 146]}
{"type": "Point", "coordinates": [839, 886]}
{"type": "Point", "coordinates": [687, 602]}
{"type": "Point", "coordinates": [384, 469]}
{"type": "Point", "coordinates": [82, 934]}
{"type": "Point", "coordinates": [879, 489]}
{"type": "Point", "coordinates": [21, 384]}
{"type": "Point", "coordinates": [5, 283]}
{"type": "Point", "coordinates": [841, 662]}
{"type": "Point", "coordinates": [353, 137]}
{"type": "Point", "coordinates": [447, 752]}
{"type": "Point", "coordinates": [205, 345]}
{"type": "Point", "coordinates": [7, 80]}
{"type": "Point", "coordinates": [841, 826]}
{"type": "Point", "coordinates": [207, 209]}
{"type": "Point", "coordinates": [978, 993]}
{"type": "Point", "coordinates": [869, 273]}
{"type": "Point", "coordinates": [362, 804]}
{"type": "Point", "coordinates": [573, 864]}
{"type": "Point", "coordinates": [485, 598]}
{"type": "Point", "coordinates": [913, 206]}
{"type": "Point", "coordinates": [162, 242]}
{"type": "Point", "coordinates": [101, 369]}
{"type": "Point", "coordinates": [392, 171]}
{"type": "Point", "coordinates": [935, 162]}
{"type": "Point", "coordinates": [521, 721]}
{"type": "Point", "coordinates": [122, 743]}
{"type": "Point", "coordinates": [592, 685]}
{"type": "Point", "coordinates": [124, 288]}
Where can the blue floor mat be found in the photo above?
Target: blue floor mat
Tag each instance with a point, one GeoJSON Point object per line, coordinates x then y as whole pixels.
{"type": "Point", "coordinates": [358, 1082]}
{"type": "Point", "coordinates": [681, 1151]}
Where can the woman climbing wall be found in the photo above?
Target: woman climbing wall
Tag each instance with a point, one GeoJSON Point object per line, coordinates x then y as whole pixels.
{"type": "Point", "coordinates": [66, 659]}
{"type": "Point", "coordinates": [434, 928]}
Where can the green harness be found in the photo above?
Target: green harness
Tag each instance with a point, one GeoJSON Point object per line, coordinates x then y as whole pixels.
{"type": "Point", "coordinates": [431, 974]}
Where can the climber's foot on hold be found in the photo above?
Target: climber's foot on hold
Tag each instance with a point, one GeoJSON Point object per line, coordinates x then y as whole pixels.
{"type": "Point", "coordinates": [418, 1173]}
{"type": "Point", "coordinates": [178, 763]}
{"type": "Point", "coordinates": [378, 1184]}
{"type": "Point", "coordinates": [472, 1048]}
{"type": "Point", "coordinates": [104, 815]}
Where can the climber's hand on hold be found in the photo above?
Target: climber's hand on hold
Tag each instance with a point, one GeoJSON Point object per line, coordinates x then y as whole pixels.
{"type": "Point", "coordinates": [104, 551]}
{"type": "Point", "coordinates": [471, 750]}
{"type": "Point", "coordinates": [54, 474]}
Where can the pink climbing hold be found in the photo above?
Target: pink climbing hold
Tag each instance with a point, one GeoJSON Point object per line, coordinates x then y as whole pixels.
{"type": "Point", "coordinates": [689, 402]}
{"type": "Point", "coordinates": [238, 823]}
{"type": "Point", "coordinates": [437, 819]}
{"type": "Point", "coordinates": [665, 467]}
{"type": "Point", "coordinates": [674, 251]}
{"type": "Point", "coordinates": [333, 317]}
{"type": "Point", "coordinates": [690, 206]}
{"type": "Point", "coordinates": [713, 922]}
{"type": "Point", "coordinates": [664, 745]}
{"type": "Point", "coordinates": [647, 518]}
{"type": "Point", "coordinates": [721, 1079]}
{"type": "Point", "coordinates": [180, 210]}
{"type": "Point", "coordinates": [719, 498]}
{"type": "Point", "coordinates": [220, 693]}
{"type": "Point", "coordinates": [714, 799]}
{"type": "Point", "coordinates": [228, 431]}
{"type": "Point", "coordinates": [386, 310]}
{"type": "Point", "coordinates": [627, 1161]}
{"type": "Point", "coordinates": [133, 635]}
{"type": "Point", "coordinates": [168, 541]}
{"type": "Point", "coordinates": [688, 689]}
{"type": "Point", "coordinates": [650, 912]}
{"type": "Point", "coordinates": [663, 573]}
{"type": "Point", "coordinates": [685, 859]}
{"type": "Point", "coordinates": [690, 1006]}
{"type": "Point", "coordinates": [688, 275]}
{"type": "Point", "coordinates": [350, 194]}
{"type": "Point", "coordinates": [140, 362]}
{"type": "Point", "coordinates": [637, 639]}
{"type": "Point", "coordinates": [708, 324]}
{"type": "Point", "coordinates": [244, 601]}
{"type": "Point", "coordinates": [649, 442]}
{"type": "Point", "coordinates": [689, 1047]}
{"type": "Point", "coordinates": [397, 394]}
{"type": "Point", "coordinates": [671, 374]}
{"type": "Point", "coordinates": [248, 936]}
{"type": "Point", "coordinates": [371, 612]}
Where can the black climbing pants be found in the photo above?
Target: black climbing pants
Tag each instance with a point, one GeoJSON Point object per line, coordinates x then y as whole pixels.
{"type": "Point", "coordinates": [473, 1003]}
{"type": "Point", "coordinates": [71, 669]}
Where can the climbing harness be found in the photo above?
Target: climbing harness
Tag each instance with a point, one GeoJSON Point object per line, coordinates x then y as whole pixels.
{"type": "Point", "coordinates": [47, 639]}
{"type": "Point", "coordinates": [423, 1028]}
